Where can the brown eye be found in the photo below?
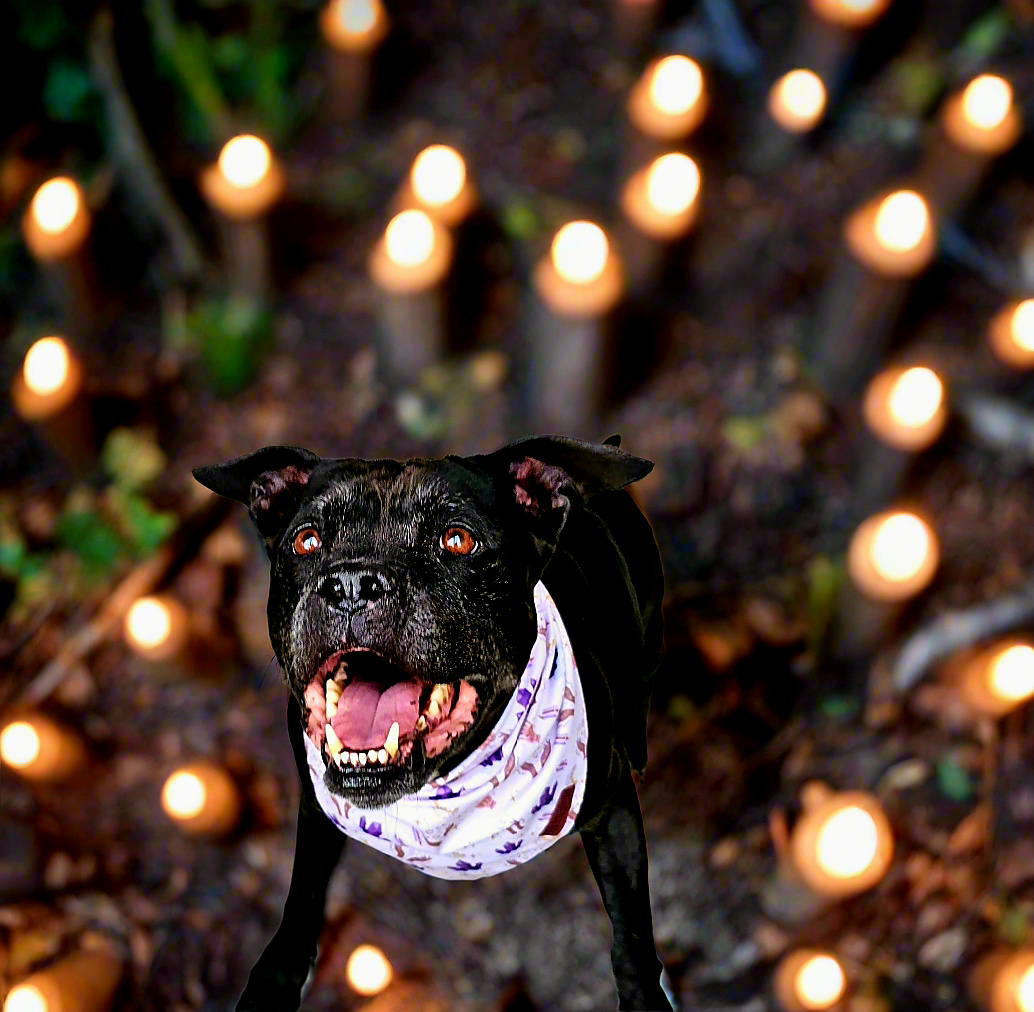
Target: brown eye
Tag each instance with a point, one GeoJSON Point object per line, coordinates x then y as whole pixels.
{"type": "Point", "coordinates": [458, 541]}
{"type": "Point", "coordinates": [306, 541]}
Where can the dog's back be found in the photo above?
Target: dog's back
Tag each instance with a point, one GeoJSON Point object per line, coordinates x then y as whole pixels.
{"type": "Point", "coordinates": [608, 584]}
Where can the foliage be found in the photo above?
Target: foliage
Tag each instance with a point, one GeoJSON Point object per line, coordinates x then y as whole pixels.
{"type": "Point", "coordinates": [232, 335]}
{"type": "Point", "coordinates": [953, 781]}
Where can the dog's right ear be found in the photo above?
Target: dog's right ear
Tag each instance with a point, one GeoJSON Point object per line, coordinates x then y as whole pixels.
{"type": "Point", "coordinates": [270, 482]}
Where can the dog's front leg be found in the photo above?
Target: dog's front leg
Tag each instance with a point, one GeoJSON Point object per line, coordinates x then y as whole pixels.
{"type": "Point", "coordinates": [276, 981]}
{"type": "Point", "coordinates": [615, 843]}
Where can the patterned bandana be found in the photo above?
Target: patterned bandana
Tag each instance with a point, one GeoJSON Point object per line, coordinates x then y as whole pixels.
{"type": "Point", "coordinates": [508, 801]}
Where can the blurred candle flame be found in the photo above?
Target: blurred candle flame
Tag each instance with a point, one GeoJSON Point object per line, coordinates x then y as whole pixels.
{"type": "Point", "coordinates": [19, 744]}
{"type": "Point", "coordinates": [915, 397]}
{"type": "Point", "coordinates": [148, 622]}
{"type": "Point", "coordinates": [1010, 674]}
{"type": "Point", "coordinates": [848, 842]}
{"type": "Point", "coordinates": [900, 547]}
{"type": "Point", "coordinates": [368, 970]}
{"type": "Point", "coordinates": [987, 101]}
{"type": "Point", "coordinates": [798, 100]}
{"type": "Point", "coordinates": [1021, 325]}
{"type": "Point", "coordinates": [677, 85]}
{"type": "Point", "coordinates": [672, 184]}
{"type": "Point", "coordinates": [409, 239]}
{"type": "Point", "coordinates": [902, 221]}
{"type": "Point", "coordinates": [26, 998]}
{"type": "Point", "coordinates": [438, 175]}
{"type": "Point", "coordinates": [1025, 991]}
{"type": "Point", "coordinates": [184, 795]}
{"type": "Point", "coordinates": [55, 205]}
{"type": "Point", "coordinates": [820, 982]}
{"type": "Point", "coordinates": [245, 160]}
{"type": "Point", "coordinates": [46, 365]}
{"type": "Point", "coordinates": [579, 252]}
{"type": "Point", "coordinates": [357, 16]}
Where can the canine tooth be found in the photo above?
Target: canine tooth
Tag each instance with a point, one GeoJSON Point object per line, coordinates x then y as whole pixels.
{"type": "Point", "coordinates": [332, 689]}
{"type": "Point", "coordinates": [353, 758]}
{"type": "Point", "coordinates": [372, 755]}
{"type": "Point", "coordinates": [331, 708]}
{"type": "Point", "coordinates": [421, 723]}
{"type": "Point", "coordinates": [333, 741]}
{"type": "Point", "coordinates": [382, 755]}
{"type": "Point", "coordinates": [362, 758]}
{"type": "Point", "coordinates": [440, 692]}
{"type": "Point", "coordinates": [391, 743]}
{"type": "Point", "coordinates": [433, 709]}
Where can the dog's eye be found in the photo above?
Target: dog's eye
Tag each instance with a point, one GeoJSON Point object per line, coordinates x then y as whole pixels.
{"type": "Point", "coordinates": [458, 541]}
{"type": "Point", "coordinates": [307, 541]}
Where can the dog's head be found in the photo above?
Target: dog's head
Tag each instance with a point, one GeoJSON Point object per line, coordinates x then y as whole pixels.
{"type": "Point", "coordinates": [401, 593]}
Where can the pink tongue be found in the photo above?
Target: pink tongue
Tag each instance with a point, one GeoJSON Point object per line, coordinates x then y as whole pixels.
{"type": "Point", "coordinates": [365, 713]}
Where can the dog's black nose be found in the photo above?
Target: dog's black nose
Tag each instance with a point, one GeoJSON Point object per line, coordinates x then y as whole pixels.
{"type": "Point", "coordinates": [350, 589]}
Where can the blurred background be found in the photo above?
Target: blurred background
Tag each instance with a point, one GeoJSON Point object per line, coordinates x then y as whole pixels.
{"type": "Point", "coordinates": [798, 279]}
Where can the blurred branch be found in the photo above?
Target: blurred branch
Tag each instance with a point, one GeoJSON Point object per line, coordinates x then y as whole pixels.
{"type": "Point", "coordinates": [183, 49]}
{"type": "Point", "coordinates": [132, 151]}
{"type": "Point", "coordinates": [158, 569]}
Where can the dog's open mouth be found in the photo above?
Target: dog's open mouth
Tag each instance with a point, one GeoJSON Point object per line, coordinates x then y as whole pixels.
{"type": "Point", "coordinates": [365, 712]}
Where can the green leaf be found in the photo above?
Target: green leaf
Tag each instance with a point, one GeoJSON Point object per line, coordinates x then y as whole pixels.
{"type": "Point", "coordinates": [839, 707]}
{"type": "Point", "coordinates": [132, 457]}
{"type": "Point", "coordinates": [90, 537]}
{"type": "Point", "coordinates": [148, 527]}
{"type": "Point", "coordinates": [12, 554]}
{"type": "Point", "coordinates": [68, 92]}
{"type": "Point", "coordinates": [953, 780]}
{"type": "Point", "coordinates": [41, 23]}
{"type": "Point", "coordinates": [1014, 926]}
{"type": "Point", "coordinates": [986, 34]}
{"type": "Point", "coordinates": [230, 51]}
{"type": "Point", "coordinates": [823, 577]}
{"type": "Point", "coordinates": [233, 334]}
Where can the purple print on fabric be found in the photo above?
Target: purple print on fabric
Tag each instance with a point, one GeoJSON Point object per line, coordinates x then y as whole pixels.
{"type": "Point", "coordinates": [547, 797]}
{"type": "Point", "coordinates": [523, 697]}
{"type": "Point", "coordinates": [495, 757]}
{"type": "Point", "coordinates": [509, 847]}
{"type": "Point", "coordinates": [448, 792]}
{"type": "Point", "coordinates": [374, 829]}
{"type": "Point", "coordinates": [464, 866]}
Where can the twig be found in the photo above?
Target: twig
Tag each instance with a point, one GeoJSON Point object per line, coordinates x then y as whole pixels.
{"type": "Point", "coordinates": [956, 630]}
{"type": "Point", "coordinates": [998, 423]}
{"type": "Point", "coordinates": [132, 151]}
{"type": "Point", "coordinates": [150, 574]}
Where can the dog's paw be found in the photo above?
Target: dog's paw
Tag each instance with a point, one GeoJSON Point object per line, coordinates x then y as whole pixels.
{"type": "Point", "coordinates": [278, 981]}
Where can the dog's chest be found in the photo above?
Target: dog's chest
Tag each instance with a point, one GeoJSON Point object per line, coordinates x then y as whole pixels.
{"type": "Point", "coordinates": [513, 797]}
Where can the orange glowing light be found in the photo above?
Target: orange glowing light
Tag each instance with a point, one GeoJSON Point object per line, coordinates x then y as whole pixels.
{"type": "Point", "coordinates": [849, 13]}
{"type": "Point", "coordinates": [409, 239]}
{"type": "Point", "coordinates": [438, 175]}
{"type": "Point", "coordinates": [357, 17]}
{"type": "Point", "coordinates": [1010, 675]}
{"type": "Point", "coordinates": [245, 161]}
{"type": "Point", "coordinates": [902, 221]}
{"type": "Point", "coordinates": [368, 970]}
{"type": "Point", "coordinates": [848, 843]}
{"type": "Point", "coordinates": [1021, 325]}
{"type": "Point", "coordinates": [915, 397]}
{"type": "Point", "coordinates": [26, 998]}
{"type": "Point", "coordinates": [987, 101]}
{"type": "Point", "coordinates": [676, 85]}
{"type": "Point", "coordinates": [19, 744]}
{"type": "Point", "coordinates": [46, 367]}
{"type": "Point", "coordinates": [148, 622]}
{"type": "Point", "coordinates": [1024, 993]}
{"type": "Point", "coordinates": [56, 205]}
{"type": "Point", "coordinates": [672, 184]}
{"type": "Point", "coordinates": [820, 982]}
{"type": "Point", "coordinates": [797, 100]}
{"type": "Point", "coordinates": [900, 547]}
{"type": "Point", "coordinates": [184, 795]}
{"type": "Point", "coordinates": [579, 252]}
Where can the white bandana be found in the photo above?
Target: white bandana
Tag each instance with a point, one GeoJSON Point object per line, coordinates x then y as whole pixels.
{"type": "Point", "coordinates": [508, 801]}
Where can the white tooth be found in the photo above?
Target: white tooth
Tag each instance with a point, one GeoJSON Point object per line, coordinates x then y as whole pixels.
{"type": "Point", "coordinates": [332, 689]}
{"type": "Point", "coordinates": [421, 723]}
{"type": "Point", "coordinates": [362, 758]}
{"type": "Point", "coordinates": [331, 708]}
{"type": "Point", "coordinates": [433, 709]}
{"type": "Point", "coordinates": [333, 741]}
{"type": "Point", "coordinates": [353, 758]}
{"type": "Point", "coordinates": [382, 755]}
{"type": "Point", "coordinates": [391, 743]}
{"type": "Point", "coordinates": [372, 755]}
{"type": "Point", "coordinates": [340, 759]}
{"type": "Point", "coordinates": [439, 692]}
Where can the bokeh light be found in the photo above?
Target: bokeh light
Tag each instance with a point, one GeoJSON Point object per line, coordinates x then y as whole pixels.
{"type": "Point", "coordinates": [368, 970]}
{"type": "Point", "coordinates": [900, 547]}
{"type": "Point", "coordinates": [245, 160]}
{"type": "Point", "coordinates": [986, 102]}
{"type": "Point", "coordinates": [184, 795]}
{"type": "Point", "coordinates": [148, 622]}
{"type": "Point", "coordinates": [1010, 674]}
{"type": "Point", "coordinates": [55, 205]}
{"type": "Point", "coordinates": [409, 239]}
{"type": "Point", "coordinates": [672, 184]}
{"type": "Point", "coordinates": [798, 100]}
{"type": "Point", "coordinates": [820, 982]}
{"type": "Point", "coordinates": [438, 175]}
{"type": "Point", "coordinates": [676, 85]}
{"type": "Point", "coordinates": [46, 365]}
{"type": "Point", "coordinates": [19, 744]}
{"type": "Point", "coordinates": [915, 397]}
{"type": "Point", "coordinates": [902, 221]}
{"type": "Point", "coordinates": [26, 998]}
{"type": "Point", "coordinates": [579, 251]}
{"type": "Point", "coordinates": [847, 843]}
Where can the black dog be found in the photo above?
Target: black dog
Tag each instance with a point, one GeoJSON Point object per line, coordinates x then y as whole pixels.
{"type": "Point", "coordinates": [390, 578]}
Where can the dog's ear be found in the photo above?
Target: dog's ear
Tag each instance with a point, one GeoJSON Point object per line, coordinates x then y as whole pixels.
{"type": "Point", "coordinates": [544, 474]}
{"type": "Point", "coordinates": [270, 482]}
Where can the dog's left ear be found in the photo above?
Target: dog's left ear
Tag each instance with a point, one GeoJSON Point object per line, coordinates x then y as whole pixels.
{"type": "Point", "coordinates": [270, 482]}
{"type": "Point", "coordinates": [546, 473]}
